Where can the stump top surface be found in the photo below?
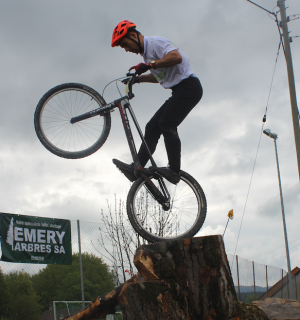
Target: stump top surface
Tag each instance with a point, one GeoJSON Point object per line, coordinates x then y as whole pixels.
{"type": "Point", "coordinates": [281, 309]}
{"type": "Point", "coordinates": [163, 245]}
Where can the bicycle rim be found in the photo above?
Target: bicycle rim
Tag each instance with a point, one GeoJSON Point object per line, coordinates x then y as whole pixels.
{"type": "Point", "coordinates": [62, 136]}
{"type": "Point", "coordinates": [184, 219]}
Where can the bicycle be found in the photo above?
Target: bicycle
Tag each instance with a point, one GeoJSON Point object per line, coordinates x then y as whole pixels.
{"type": "Point", "coordinates": [73, 121]}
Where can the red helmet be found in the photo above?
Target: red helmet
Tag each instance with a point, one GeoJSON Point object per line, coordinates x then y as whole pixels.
{"type": "Point", "coordinates": [121, 31]}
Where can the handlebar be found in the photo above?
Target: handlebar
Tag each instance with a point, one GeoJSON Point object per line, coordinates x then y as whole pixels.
{"type": "Point", "coordinates": [129, 84]}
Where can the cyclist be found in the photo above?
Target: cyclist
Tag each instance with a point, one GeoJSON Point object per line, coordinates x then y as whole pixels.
{"type": "Point", "coordinates": [170, 67]}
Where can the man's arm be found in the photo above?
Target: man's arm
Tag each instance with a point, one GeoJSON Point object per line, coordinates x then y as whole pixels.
{"type": "Point", "coordinates": [147, 78]}
{"type": "Point", "coordinates": [169, 60]}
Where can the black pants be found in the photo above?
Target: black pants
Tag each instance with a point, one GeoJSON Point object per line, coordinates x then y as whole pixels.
{"type": "Point", "coordinates": [185, 96]}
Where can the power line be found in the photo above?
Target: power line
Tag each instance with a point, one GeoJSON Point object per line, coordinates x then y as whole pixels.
{"type": "Point", "coordinates": [248, 193]}
{"type": "Point", "coordinates": [276, 60]}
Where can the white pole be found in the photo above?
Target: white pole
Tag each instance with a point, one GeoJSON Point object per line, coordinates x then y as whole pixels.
{"type": "Point", "coordinates": [290, 285]}
{"type": "Point", "coordinates": [54, 310]}
{"type": "Point", "coordinates": [80, 263]}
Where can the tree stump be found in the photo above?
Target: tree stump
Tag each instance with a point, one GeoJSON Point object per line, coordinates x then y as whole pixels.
{"type": "Point", "coordinates": [183, 279]}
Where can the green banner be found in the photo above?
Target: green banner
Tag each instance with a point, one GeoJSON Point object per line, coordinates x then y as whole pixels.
{"type": "Point", "coordinates": [30, 239]}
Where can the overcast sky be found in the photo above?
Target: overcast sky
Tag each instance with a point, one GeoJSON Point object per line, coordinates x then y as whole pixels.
{"type": "Point", "coordinates": [232, 46]}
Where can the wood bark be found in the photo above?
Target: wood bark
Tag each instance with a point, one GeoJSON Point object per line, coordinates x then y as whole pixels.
{"type": "Point", "coordinates": [187, 279]}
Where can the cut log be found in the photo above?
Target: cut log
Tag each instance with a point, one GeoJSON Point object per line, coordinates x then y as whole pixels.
{"type": "Point", "coordinates": [188, 278]}
{"type": "Point", "coordinates": [100, 308]}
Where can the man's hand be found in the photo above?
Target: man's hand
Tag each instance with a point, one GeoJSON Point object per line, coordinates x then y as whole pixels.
{"type": "Point", "coordinates": [126, 80]}
{"type": "Point", "coordinates": [141, 68]}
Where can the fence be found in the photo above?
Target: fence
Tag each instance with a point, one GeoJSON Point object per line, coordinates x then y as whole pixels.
{"type": "Point", "coordinates": [258, 281]}
{"type": "Point", "coordinates": [34, 291]}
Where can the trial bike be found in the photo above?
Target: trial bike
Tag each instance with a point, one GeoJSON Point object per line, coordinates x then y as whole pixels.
{"type": "Point", "coordinates": [73, 121]}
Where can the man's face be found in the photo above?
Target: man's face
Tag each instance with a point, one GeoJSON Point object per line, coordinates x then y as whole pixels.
{"type": "Point", "coordinates": [128, 45]}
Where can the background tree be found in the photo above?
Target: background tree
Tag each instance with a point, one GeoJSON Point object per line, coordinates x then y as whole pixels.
{"type": "Point", "coordinates": [62, 282]}
{"type": "Point", "coordinates": [21, 299]}
{"type": "Point", "coordinates": [250, 298]}
{"type": "Point", "coordinates": [3, 295]}
{"type": "Point", "coordinates": [122, 239]}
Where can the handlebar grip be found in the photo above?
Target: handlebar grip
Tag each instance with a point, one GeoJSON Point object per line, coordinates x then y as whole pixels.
{"type": "Point", "coordinates": [133, 75]}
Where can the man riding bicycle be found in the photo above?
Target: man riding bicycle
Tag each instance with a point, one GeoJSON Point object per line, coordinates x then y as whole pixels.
{"type": "Point", "coordinates": [170, 67]}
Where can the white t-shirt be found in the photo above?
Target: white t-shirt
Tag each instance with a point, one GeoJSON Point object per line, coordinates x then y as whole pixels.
{"type": "Point", "coordinates": [156, 48]}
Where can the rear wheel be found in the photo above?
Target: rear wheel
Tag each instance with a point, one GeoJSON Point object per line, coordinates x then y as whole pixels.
{"type": "Point", "coordinates": [52, 121]}
{"type": "Point", "coordinates": [184, 218]}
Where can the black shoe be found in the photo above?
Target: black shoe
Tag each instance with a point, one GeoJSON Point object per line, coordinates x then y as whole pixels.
{"type": "Point", "coordinates": [126, 169]}
{"type": "Point", "coordinates": [167, 173]}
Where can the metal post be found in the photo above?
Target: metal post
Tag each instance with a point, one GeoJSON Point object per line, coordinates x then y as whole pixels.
{"type": "Point", "coordinates": [281, 283]}
{"type": "Point", "coordinates": [267, 280]}
{"type": "Point", "coordinates": [291, 79]}
{"type": "Point", "coordinates": [54, 310]}
{"type": "Point", "coordinates": [296, 288]}
{"type": "Point", "coordinates": [238, 277]}
{"type": "Point", "coordinates": [80, 263]}
{"type": "Point", "coordinates": [254, 279]}
{"type": "Point", "coordinates": [290, 285]}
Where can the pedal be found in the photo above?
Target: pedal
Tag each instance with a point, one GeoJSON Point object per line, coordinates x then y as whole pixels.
{"type": "Point", "coordinates": [125, 169]}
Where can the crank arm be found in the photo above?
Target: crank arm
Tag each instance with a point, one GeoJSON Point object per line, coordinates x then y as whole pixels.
{"type": "Point", "coordinates": [155, 192]}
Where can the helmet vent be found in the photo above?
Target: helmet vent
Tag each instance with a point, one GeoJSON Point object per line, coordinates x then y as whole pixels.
{"type": "Point", "coordinates": [121, 30]}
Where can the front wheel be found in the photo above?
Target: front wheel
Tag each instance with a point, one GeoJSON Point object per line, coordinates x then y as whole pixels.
{"type": "Point", "coordinates": [184, 218]}
{"type": "Point", "coordinates": [54, 129]}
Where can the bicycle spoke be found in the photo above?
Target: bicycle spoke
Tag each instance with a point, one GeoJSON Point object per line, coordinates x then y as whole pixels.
{"type": "Point", "coordinates": [180, 218]}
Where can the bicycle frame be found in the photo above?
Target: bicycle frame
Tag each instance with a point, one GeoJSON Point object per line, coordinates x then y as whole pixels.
{"type": "Point", "coordinates": [123, 104]}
